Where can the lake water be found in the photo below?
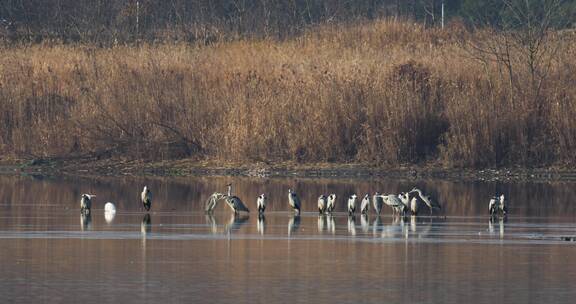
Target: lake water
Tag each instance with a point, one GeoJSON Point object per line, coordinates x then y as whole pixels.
{"type": "Point", "coordinates": [49, 253]}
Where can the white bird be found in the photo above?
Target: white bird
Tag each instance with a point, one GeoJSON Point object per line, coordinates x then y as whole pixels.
{"type": "Point", "coordinates": [432, 204]}
{"type": "Point", "coordinates": [352, 204]}
{"type": "Point", "coordinates": [261, 203]}
{"type": "Point", "coordinates": [294, 201]}
{"type": "Point", "coordinates": [322, 203]}
{"type": "Point", "coordinates": [331, 203]}
{"type": "Point", "coordinates": [86, 203]}
{"type": "Point", "coordinates": [234, 202]}
{"type": "Point", "coordinates": [109, 212]}
{"type": "Point", "coordinates": [378, 202]}
{"type": "Point", "coordinates": [109, 207]}
{"type": "Point", "coordinates": [365, 205]}
{"type": "Point", "coordinates": [146, 198]}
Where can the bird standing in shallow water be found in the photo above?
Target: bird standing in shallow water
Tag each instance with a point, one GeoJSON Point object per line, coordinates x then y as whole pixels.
{"type": "Point", "coordinates": [352, 204]}
{"type": "Point", "coordinates": [235, 202]}
{"type": "Point", "coordinates": [365, 205]}
{"type": "Point", "coordinates": [146, 198]}
{"type": "Point", "coordinates": [498, 205]}
{"type": "Point", "coordinates": [322, 203]}
{"type": "Point", "coordinates": [432, 204]}
{"type": "Point", "coordinates": [261, 203]}
{"type": "Point", "coordinates": [86, 203]}
{"type": "Point", "coordinates": [378, 202]}
{"type": "Point", "coordinates": [331, 203]}
{"type": "Point", "coordinates": [294, 201]}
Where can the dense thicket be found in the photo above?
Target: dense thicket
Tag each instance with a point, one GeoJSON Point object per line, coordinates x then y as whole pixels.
{"type": "Point", "coordinates": [206, 21]}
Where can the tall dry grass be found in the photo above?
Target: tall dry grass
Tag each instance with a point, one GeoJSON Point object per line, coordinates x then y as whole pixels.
{"type": "Point", "coordinates": [382, 92]}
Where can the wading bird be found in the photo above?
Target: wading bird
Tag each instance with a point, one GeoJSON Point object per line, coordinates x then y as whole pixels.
{"type": "Point", "coordinates": [352, 204]}
{"type": "Point", "coordinates": [498, 205]}
{"type": "Point", "coordinates": [365, 205]}
{"type": "Point", "coordinates": [432, 204]}
{"type": "Point", "coordinates": [146, 198]}
{"type": "Point", "coordinates": [411, 201]}
{"type": "Point", "coordinates": [86, 203]}
{"type": "Point", "coordinates": [331, 203]}
{"type": "Point", "coordinates": [235, 202]}
{"type": "Point", "coordinates": [261, 203]}
{"type": "Point", "coordinates": [394, 202]}
{"type": "Point", "coordinates": [378, 202]}
{"type": "Point", "coordinates": [294, 201]}
{"type": "Point", "coordinates": [322, 203]}
{"type": "Point", "coordinates": [212, 200]}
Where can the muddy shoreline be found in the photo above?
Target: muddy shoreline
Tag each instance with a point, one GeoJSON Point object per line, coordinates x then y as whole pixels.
{"type": "Point", "coordinates": [118, 167]}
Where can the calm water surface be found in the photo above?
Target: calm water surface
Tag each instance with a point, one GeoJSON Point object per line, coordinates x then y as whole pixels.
{"type": "Point", "coordinates": [49, 253]}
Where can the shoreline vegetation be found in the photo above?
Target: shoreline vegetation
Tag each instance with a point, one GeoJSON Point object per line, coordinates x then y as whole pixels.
{"type": "Point", "coordinates": [386, 92]}
{"type": "Point", "coordinates": [189, 167]}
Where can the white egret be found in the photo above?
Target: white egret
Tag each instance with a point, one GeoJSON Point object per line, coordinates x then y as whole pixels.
{"type": "Point", "coordinates": [109, 212]}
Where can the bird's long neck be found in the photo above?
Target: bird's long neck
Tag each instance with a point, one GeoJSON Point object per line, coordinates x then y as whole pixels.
{"type": "Point", "coordinates": [229, 190]}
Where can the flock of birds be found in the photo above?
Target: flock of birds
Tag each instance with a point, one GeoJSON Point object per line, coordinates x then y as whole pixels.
{"type": "Point", "coordinates": [109, 207]}
{"type": "Point", "coordinates": [405, 203]}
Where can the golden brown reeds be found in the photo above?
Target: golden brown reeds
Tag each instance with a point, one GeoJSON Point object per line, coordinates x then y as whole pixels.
{"type": "Point", "coordinates": [383, 91]}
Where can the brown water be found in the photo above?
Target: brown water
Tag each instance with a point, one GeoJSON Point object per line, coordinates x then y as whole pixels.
{"type": "Point", "coordinates": [49, 253]}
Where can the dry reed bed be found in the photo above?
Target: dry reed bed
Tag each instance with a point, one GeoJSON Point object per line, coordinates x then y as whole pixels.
{"type": "Point", "coordinates": [381, 92]}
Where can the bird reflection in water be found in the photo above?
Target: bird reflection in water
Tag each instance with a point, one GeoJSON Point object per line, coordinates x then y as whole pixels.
{"type": "Point", "coordinates": [109, 216]}
{"type": "Point", "coordinates": [261, 224]}
{"type": "Point", "coordinates": [236, 221]}
{"type": "Point", "coordinates": [294, 224]}
{"type": "Point", "coordinates": [146, 225]}
{"type": "Point", "coordinates": [397, 229]}
{"type": "Point", "coordinates": [331, 224]}
{"type": "Point", "coordinates": [419, 228]}
{"type": "Point", "coordinates": [492, 222]}
{"type": "Point", "coordinates": [322, 223]}
{"type": "Point", "coordinates": [211, 223]}
{"type": "Point", "coordinates": [364, 224]}
{"type": "Point", "coordinates": [352, 225]}
{"type": "Point", "coordinates": [85, 221]}
{"type": "Point", "coordinates": [377, 226]}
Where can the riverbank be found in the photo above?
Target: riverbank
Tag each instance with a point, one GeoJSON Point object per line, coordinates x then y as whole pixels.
{"type": "Point", "coordinates": [190, 167]}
